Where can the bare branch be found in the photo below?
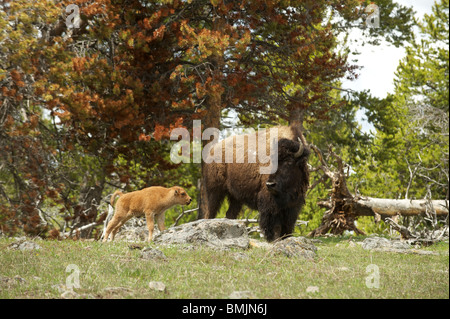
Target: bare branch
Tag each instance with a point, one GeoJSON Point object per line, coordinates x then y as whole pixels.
{"type": "Point", "coordinates": [183, 212]}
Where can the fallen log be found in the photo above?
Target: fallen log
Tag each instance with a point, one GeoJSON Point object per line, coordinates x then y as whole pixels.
{"type": "Point", "coordinates": [77, 231]}
{"type": "Point", "coordinates": [405, 207]}
{"type": "Point", "coordinates": [343, 208]}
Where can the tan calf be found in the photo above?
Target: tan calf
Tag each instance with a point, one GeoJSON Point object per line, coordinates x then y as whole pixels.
{"type": "Point", "coordinates": [151, 202]}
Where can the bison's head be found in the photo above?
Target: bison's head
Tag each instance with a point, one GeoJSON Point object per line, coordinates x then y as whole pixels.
{"type": "Point", "coordinates": [289, 183]}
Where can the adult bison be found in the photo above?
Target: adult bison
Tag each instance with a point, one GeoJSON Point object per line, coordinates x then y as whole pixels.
{"type": "Point", "coordinates": [278, 196]}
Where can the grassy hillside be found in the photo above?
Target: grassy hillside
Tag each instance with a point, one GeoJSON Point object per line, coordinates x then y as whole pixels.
{"type": "Point", "coordinates": [339, 271]}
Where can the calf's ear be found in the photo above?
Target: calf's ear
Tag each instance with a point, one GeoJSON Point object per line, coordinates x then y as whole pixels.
{"type": "Point", "coordinates": [176, 192]}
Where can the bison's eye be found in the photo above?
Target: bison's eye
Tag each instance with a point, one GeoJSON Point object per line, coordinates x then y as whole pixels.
{"type": "Point", "coordinates": [290, 162]}
{"type": "Point", "coordinates": [183, 194]}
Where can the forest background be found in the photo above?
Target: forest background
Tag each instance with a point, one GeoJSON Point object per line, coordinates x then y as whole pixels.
{"type": "Point", "coordinates": [87, 108]}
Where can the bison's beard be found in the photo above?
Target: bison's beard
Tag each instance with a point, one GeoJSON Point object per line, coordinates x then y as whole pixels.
{"type": "Point", "coordinates": [283, 199]}
{"type": "Point", "coordinates": [277, 221]}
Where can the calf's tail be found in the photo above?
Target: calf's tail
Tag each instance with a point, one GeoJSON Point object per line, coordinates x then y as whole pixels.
{"type": "Point", "coordinates": [113, 197]}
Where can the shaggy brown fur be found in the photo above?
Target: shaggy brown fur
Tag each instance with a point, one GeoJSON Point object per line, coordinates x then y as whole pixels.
{"type": "Point", "coordinates": [151, 202]}
{"type": "Point", "coordinates": [243, 183]}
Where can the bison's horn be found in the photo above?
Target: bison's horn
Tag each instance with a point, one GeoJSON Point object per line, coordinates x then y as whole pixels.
{"type": "Point", "coordinates": [300, 149]}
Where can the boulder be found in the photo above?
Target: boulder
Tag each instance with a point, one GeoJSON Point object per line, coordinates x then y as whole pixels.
{"type": "Point", "coordinates": [299, 247]}
{"type": "Point", "coordinates": [24, 245]}
{"type": "Point", "coordinates": [149, 253]}
{"type": "Point", "coordinates": [132, 234]}
{"type": "Point", "coordinates": [135, 230]}
{"type": "Point", "coordinates": [221, 233]}
{"type": "Point", "coordinates": [157, 285]}
{"type": "Point", "coordinates": [381, 243]}
{"type": "Point", "coordinates": [6, 282]}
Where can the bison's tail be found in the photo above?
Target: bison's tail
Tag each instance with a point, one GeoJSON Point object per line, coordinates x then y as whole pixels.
{"type": "Point", "coordinates": [113, 197]}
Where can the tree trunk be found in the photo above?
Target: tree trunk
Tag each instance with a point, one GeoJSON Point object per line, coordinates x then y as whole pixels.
{"type": "Point", "coordinates": [87, 209]}
{"type": "Point", "coordinates": [214, 108]}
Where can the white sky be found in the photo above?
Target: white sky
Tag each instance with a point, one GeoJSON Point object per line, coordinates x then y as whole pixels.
{"type": "Point", "coordinates": [380, 62]}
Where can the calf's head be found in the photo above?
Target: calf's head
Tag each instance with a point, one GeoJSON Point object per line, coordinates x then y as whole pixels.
{"type": "Point", "coordinates": [181, 196]}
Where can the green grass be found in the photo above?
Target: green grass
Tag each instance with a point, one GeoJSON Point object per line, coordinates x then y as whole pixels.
{"type": "Point", "coordinates": [339, 271]}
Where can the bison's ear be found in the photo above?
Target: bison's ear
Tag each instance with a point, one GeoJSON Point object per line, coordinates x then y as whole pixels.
{"type": "Point", "coordinates": [176, 192]}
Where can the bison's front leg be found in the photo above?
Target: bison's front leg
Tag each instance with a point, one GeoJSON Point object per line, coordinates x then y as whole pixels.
{"type": "Point", "coordinates": [289, 217]}
{"type": "Point", "coordinates": [269, 217]}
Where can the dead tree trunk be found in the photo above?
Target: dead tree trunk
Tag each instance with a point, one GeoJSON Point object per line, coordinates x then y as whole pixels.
{"type": "Point", "coordinates": [86, 211]}
{"type": "Point", "coordinates": [344, 208]}
{"type": "Point", "coordinates": [339, 216]}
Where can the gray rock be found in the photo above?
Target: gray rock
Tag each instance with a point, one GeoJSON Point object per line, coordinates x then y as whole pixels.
{"type": "Point", "coordinates": [20, 238]}
{"type": "Point", "coordinates": [312, 289]}
{"type": "Point", "coordinates": [157, 285]}
{"type": "Point", "coordinates": [219, 233]}
{"type": "Point", "coordinates": [299, 247]}
{"type": "Point", "coordinates": [375, 242]}
{"type": "Point", "coordinates": [149, 253]}
{"type": "Point", "coordinates": [383, 243]}
{"type": "Point", "coordinates": [132, 234]}
{"type": "Point", "coordinates": [407, 251]}
{"type": "Point", "coordinates": [11, 282]}
{"type": "Point", "coordinates": [135, 230]}
{"type": "Point", "coordinates": [24, 245]}
{"type": "Point", "coordinates": [246, 294]}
